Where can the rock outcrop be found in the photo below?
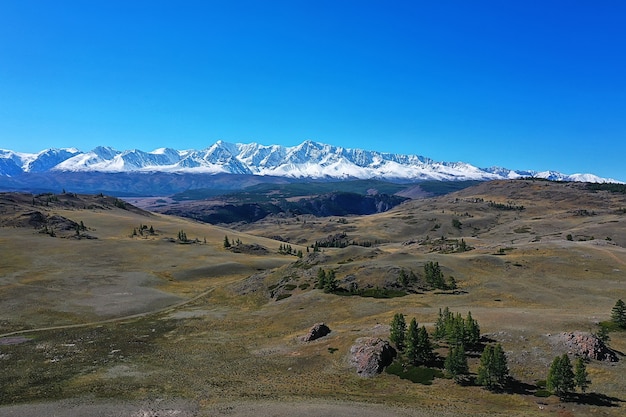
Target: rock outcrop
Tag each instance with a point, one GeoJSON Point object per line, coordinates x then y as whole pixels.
{"type": "Point", "coordinates": [586, 345]}
{"type": "Point", "coordinates": [370, 355]}
{"type": "Point", "coordinates": [318, 330]}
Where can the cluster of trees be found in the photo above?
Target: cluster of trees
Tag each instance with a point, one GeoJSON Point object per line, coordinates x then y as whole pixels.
{"type": "Point", "coordinates": [434, 277]}
{"type": "Point", "coordinates": [563, 377]}
{"type": "Point", "coordinates": [618, 314]}
{"type": "Point", "coordinates": [342, 243]}
{"type": "Point", "coordinates": [326, 281]}
{"type": "Point", "coordinates": [460, 334]}
{"type": "Point", "coordinates": [413, 341]}
{"type": "Point", "coordinates": [286, 249]}
{"type": "Point", "coordinates": [455, 329]}
{"type": "Point", "coordinates": [507, 206]}
{"type": "Point", "coordinates": [228, 244]}
{"type": "Point", "coordinates": [182, 236]}
{"type": "Point", "coordinates": [493, 371]}
{"type": "Point", "coordinates": [143, 229]}
{"type": "Point", "coordinates": [405, 279]}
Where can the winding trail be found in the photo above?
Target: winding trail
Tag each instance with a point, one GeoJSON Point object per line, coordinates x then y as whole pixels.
{"type": "Point", "coordinates": [113, 320]}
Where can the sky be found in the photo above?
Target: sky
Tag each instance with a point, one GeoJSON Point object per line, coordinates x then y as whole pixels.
{"type": "Point", "coordinates": [527, 84]}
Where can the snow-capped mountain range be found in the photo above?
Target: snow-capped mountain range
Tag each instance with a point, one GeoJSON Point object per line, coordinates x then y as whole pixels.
{"type": "Point", "coordinates": [309, 160]}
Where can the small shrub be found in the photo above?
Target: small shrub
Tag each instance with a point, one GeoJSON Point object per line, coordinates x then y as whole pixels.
{"type": "Point", "coordinates": [283, 296]}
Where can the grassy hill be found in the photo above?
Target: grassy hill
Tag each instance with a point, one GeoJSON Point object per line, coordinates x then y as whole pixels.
{"type": "Point", "coordinates": [129, 315]}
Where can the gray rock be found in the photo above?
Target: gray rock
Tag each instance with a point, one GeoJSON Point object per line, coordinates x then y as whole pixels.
{"type": "Point", "coordinates": [370, 355]}
{"type": "Point", "coordinates": [318, 330]}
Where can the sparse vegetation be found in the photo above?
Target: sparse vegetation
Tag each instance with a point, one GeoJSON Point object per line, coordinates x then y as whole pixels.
{"type": "Point", "coordinates": [231, 304]}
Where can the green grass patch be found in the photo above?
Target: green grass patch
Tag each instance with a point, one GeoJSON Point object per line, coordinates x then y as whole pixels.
{"type": "Point", "coordinates": [304, 286]}
{"type": "Point", "coordinates": [415, 374]}
{"type": "Point", "coordinates": [542, 393]}
{"type": "Point", "coordinates": [290, 287]}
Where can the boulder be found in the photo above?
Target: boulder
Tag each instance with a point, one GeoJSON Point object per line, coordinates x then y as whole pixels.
{"type": "Point", "coordinates": [318, 330]}
{"type": "Point", "coordinates": [370, 355]}
{"type": "Point", "coordinates": [586, 345]}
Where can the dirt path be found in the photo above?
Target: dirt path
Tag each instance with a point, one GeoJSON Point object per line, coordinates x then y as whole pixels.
{"type": "Point", "coordinates": [113, 320]}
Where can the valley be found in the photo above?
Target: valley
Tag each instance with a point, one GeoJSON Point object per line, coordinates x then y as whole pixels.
{"type": "Point", "coordinates": [108, 306]}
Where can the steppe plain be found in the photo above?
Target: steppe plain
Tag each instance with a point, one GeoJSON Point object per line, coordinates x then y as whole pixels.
{"type": "Point", "coordinates": [113, 323]}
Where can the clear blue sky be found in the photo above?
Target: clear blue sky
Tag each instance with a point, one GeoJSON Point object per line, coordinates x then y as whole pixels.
{"type": "Point", "coordinates": [521, 84]}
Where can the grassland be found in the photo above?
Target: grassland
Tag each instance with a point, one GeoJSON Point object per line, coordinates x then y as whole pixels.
{"type": "Point", "coordinates": [129, 322]}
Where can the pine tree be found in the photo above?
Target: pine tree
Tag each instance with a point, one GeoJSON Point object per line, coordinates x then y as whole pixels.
{"type": "Point", "coordinates": [412, 342]}
{"type": "Point", "coordinates": [472, 331]}
{"type": "Point", "coordinates": [398, 331]}
{"type": "Point", "coordinates": [321, 278]}
{"type": "Point", "coordinates": [226, 242]}
{"type": "Point", "coordinates": [440, 324]}
{"type": "Point", "coordinates": [603, 334]}
{"type": "Point", "coordinates": [331, 282]}
{"type": "Point", "coordinates": [581, 377]}
{"type": "Point", "coordinates": [424, 347]}
{"type": "Point", "coordinates": [560, 376]}
{"type": "Point", "coordinates": [485, 370]}
{"type": "Point", "coordinates": [618, 314]}
{"type": "Point", "coordinates": [501, 367]}
{"type": "Point", "coordinates": [493, 371]}
{"type": "Point", "coordinates": [456, 362]}
{"type": "Point", "coordinates": [403, 279]}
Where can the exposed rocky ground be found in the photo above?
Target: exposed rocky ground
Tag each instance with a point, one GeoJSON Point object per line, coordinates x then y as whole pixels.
{"type": "Point", "coordinates": [585, 345]}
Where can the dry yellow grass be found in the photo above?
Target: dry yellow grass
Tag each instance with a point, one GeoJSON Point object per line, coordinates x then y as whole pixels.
{"type": "Point", "coordinates": [231, 352]}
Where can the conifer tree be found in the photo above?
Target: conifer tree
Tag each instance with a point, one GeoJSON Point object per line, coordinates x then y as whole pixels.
{"type": "Point", "coordinates": [398, 331]}
{"type": "Point", "coordinates": [226, 242]}
{"type": "Point", "coordinates": [581, 377]}
{"type": "Point", "coordinates": [456, 362]}
{"type": "Point", "coordinates": [472, 331]}
{"type": "Point", "coordinates": [618, 314]}
{"type": "Point", "coordinates": [412, 342]}
{"type": "Point", "coordinates": [331, 282]}
{"type": "Point", "coordinates": [493, 371]}
{"type": "Point", "coordinates": [424, 347]}
{"type": "Point", "coordinates": [560, 376]}
{"type": "Point", "coordinates": [321, 278]}
{"type": "Point", "coordinates": [485, 374]}
{"type": "Point", "coordinates": [603, 334]}
{"type": "Point", "coordinates": [440, 324]}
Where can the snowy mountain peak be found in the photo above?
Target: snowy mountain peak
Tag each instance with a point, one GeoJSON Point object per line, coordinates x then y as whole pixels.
{"type": "Point", "coordinates": [310, 159]}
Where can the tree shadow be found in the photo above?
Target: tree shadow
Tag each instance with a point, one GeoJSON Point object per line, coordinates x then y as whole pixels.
{"type": "Point", "coordinates": [514, 386]}
{"type": "Point", "coordinates": [594, 398]}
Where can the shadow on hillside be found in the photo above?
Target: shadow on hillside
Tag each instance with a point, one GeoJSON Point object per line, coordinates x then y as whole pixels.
{"type": "Point", "coordinates": [513, 386]}
{"type": "Point", "coordinates": [593, 398]}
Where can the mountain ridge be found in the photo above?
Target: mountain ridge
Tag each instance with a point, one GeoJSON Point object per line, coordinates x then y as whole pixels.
{"type": "Point", "coordinates": [308, 160]}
